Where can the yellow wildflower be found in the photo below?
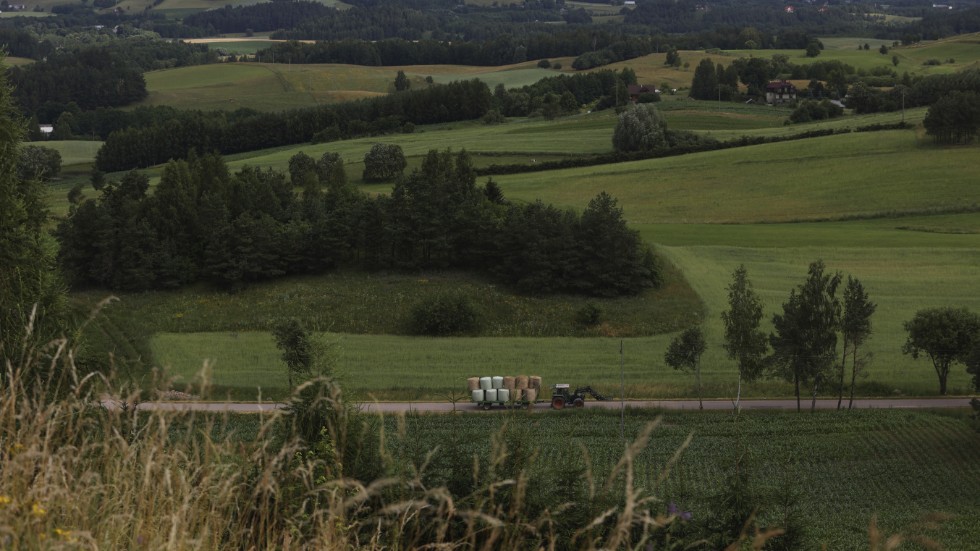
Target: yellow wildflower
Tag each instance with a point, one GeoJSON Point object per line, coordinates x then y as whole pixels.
{"type": "Point", "coordinates": [5, 500]}
{"type": "Point", "coordinates": [37, 510]}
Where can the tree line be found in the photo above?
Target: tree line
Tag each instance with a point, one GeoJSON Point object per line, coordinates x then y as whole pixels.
{"type": "Point", "coordinates": [204, 224]}
{"type": "Point", "coordinates": [172, 134]}
{"type": "Point", "coordinates": [108, 75]}
{"type": "Point", "coordinates": [151, 135]}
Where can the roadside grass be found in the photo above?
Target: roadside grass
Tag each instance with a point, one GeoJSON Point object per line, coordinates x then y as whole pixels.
{"type": "Point", "coordinates": [836, 471]}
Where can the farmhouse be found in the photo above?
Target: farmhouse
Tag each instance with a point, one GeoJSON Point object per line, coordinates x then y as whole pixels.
{"type": "Point", "coordinates": [637, 90]}
{"type": "Point", "coordinates": [780, 91]}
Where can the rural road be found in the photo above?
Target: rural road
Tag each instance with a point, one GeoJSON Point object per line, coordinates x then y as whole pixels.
{"type": "Point", "coordinates": [446, 407]}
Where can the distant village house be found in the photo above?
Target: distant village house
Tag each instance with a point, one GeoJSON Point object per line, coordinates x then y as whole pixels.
{"type": "Point", "coordinates": [637, 90]}
{"type": "Point", "coordinates": [780, 91]}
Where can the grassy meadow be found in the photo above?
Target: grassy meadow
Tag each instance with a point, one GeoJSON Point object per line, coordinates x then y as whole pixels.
{"type": "Point", "coordinates": [890, 208]}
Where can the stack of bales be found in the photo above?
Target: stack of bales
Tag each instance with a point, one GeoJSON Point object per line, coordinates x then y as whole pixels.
{"type": "Point", "coordinates": [504, 389]}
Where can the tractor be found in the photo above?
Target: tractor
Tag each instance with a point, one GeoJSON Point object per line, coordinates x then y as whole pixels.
{"type": "Point", "coordinates": [562, 396]}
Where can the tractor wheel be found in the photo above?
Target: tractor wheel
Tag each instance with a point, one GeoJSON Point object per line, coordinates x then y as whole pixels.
{"type": "Point", "coordinates": [558, 402]}
{"type": "Point", "coordinates": [578, 402]}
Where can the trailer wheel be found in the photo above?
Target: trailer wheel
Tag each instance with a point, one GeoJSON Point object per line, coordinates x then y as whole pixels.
{"type": "Point", "coordinates": [558, 402]}
{"type": "Point", "coordinates": [486, 406]}
{"type": "Point", "coordinates": [578, 402]}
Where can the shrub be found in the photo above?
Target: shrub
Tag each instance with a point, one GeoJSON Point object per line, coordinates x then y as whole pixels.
{"type": "Point", "coordinates": [444, 315]}
{"type": "Point", "coordinates": [588, 315]}
{"type": "Point", "coordinates": [544, 64]}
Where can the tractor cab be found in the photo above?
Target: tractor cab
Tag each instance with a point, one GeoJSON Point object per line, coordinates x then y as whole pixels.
{"type": "Point", "coordinates": [562, 395]}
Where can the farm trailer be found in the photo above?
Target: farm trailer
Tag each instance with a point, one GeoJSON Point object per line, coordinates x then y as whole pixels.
{"type": "Point", "coordinates": [520, 391]}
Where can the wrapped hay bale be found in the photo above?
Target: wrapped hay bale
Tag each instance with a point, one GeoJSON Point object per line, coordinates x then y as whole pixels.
{"type": "Point", "coordinates": [491, 395]}
{"type": "Point", "coordinates": [535, 383]}
{"type": "Point", "coordinates": [508, 383]}
{"type": "Point", "coordinates": [520, 381]}
{"type": "Point", "coordinates": [477, 395]}
{"type": "Point", "coordinates": [498, 382]}
{"type": "Point", "coordinates": [531, 394]}
{"type": "Point", "coordinates": [517, 395]}
{"type": "Point", "coordinates": [503, 395]}
{"type": "Point", "coordinates": [485, 383]}
{"type": "Point", "coordinates": [473, 383]}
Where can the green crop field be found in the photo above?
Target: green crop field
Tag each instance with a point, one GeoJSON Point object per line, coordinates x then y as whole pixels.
{"type": "Point", "coordinates": [834, 472]}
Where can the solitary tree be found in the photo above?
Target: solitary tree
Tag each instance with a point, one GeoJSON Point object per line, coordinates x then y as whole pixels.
{"type": "Point", "coordinates": [300, 165]}
{"type": "Point", "coordinates": [330, 170]}
{"type": "Point", "coordinates": [855, 328]}
{"type": "Point", "coordinates": [295, 347]}
{"type": "Point", "coordinates": [945, 334]}
{"type": "Point", "coordinates": [673, 58]}
{"type": "Point", "coordinates": [401, 82]}
{"type": "Point", "coordinates": [383, 162]}
{"type": "Point", "coordinates": [640, 128]}
{"type": "Point", "coordinates": [744, 341]}
{"type": "Point", "coordinates": [684, 353]}
{"type": "Point", "coordinates": [805, 339]}
{"type": "Point", "coordinates": [954, 118]}
{"type": "Point", "coordinates": [705, 82]}
{"type": "Point", "coordinates": [972, 361]}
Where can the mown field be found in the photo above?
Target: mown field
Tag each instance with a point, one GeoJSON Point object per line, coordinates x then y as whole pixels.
{"type": "Point", "coordinates": [279, 86]}
{"type": "Point", "coordinates": [834, 472]}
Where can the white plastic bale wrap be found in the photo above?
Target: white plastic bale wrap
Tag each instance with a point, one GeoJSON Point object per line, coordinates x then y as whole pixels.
{"type": "Point", "coordinates": [491, 395]}
{"type": "Point", "coordinates": [477, 395]}
{"type": "Point", "coordinates": [498, 382]}
{"type": "Point", "coordinates": [531, 394]}
{"type": "Point", "coordinates": [485, 383]}
{"type": "Point", "coordinates": [473, 383]}
{"type": "Point", "coordinates": [503, 395]}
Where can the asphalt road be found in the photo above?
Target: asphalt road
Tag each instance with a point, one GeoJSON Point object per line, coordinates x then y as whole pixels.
{"type": "Point", "coordinates": [446, 407]}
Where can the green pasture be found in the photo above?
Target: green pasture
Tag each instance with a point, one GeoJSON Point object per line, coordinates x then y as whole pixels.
{"type": "Point", "coordinates": [940, 269]}
{"type": "Point", "coordinates": [190, 6]}
{"type": "Point", "coordinates": [843, 176]}
{"type": "Point", "coordinates": [834, 471]}
{"type": "Point", "coordinates": [963, 49]}
{"type": "Point", "coordinates": [280, 86]}
{"type": "Point", "coordinates": [32, 14]}
{"type": "Point", "coordinates": [243, 46]}
{"type": "Point", "coordinates": [523, 141]}
{"type": "Point", "coordinates": [73, 152]}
